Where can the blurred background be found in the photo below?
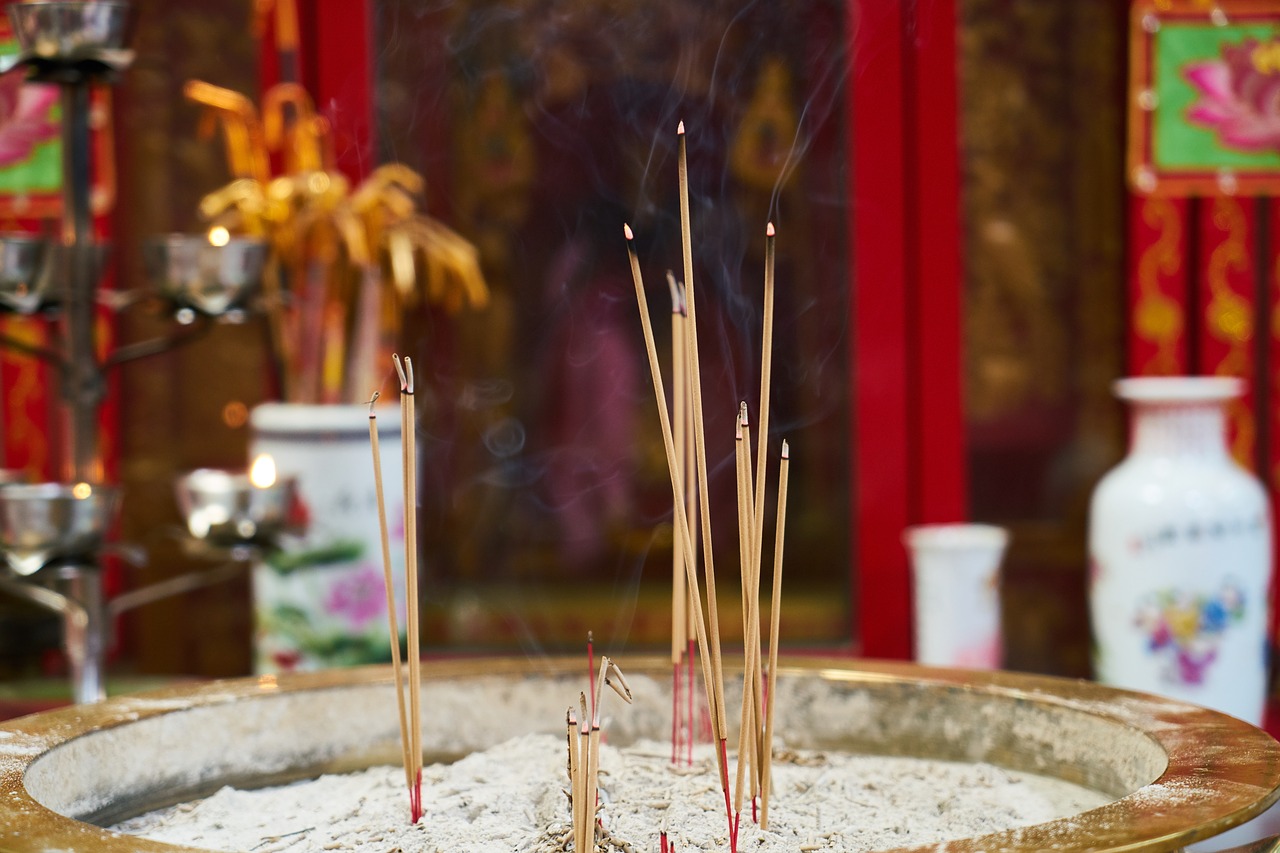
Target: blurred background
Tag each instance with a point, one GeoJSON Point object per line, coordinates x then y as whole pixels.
{"type": "Point", "coordinates": [967, 377]}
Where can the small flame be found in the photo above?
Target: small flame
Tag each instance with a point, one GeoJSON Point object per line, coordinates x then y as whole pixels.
{"type": "Point", "coordinates": [219, 236]}
{"type": "Point", "coordinates": [81, 491]}
{"type": "Point", "coordinates": [262, 474]}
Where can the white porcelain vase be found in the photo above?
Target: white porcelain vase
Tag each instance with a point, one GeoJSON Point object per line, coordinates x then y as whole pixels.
{"type": "Point", "coordinates": [1180, 554]}
{"type": "Point", "coordinates": [321, 601]}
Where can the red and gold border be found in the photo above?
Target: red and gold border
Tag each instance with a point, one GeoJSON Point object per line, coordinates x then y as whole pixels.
{"type": "Point", "coordinates": [1227, 234]}
{"type": "Point", "coordinates": [1158, 286]}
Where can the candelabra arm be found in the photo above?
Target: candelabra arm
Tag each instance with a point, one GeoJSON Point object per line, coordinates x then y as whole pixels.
{"type": "Point", "coordinates": [45, 354]}
{"type": "Point", "coordinates": [83, 628]}
{"type": "Point", "coordinates": [46, 598]}
{"type": "Point", "coordinates": [156, 346]}
{"type": "Point", "coordinates": [173, 586]}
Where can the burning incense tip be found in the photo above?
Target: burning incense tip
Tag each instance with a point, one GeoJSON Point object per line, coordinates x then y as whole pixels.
{"type": "Point", "coordinates": [680, 129]}
{"type": "Point", "coordinates": [768, 230]}
{"type": "Point", "coordinates": [627, 232]}
{"type": "Point", "coordinates": [786, 450]}
{"type": "Point", "coordinates": [372, 400]}
{"type": "Point", "coordinates": [742, 413]}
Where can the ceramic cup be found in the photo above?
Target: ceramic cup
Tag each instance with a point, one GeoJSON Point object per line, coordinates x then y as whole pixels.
{"type": "Point", "coordinates": [956, 578]}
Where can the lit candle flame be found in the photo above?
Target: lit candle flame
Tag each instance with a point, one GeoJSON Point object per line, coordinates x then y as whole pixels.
{"type": "Point", "coordinates": [219, 236]}
{"type": "Point", "coordinates": [262, 474]}
{"type": "Point", "coordinates": [81, 491]}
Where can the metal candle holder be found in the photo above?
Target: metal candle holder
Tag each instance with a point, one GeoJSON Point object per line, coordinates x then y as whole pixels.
{"type": "Point", "coordinates": [56, 37]}
{"type": "Point", "coordinates": [52, 534]}
{"type": "Point", "coordinates": [195, 273]}
{"type": "Point", "coordinates": [45, 523]}
{"type": "Point", "coordinates": [226, 510]}
{"type": "Point", "coordinates": [22, 266]}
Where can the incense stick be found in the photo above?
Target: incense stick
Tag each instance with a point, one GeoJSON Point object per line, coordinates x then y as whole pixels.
{"type": "Point", "coordinates": [571, 727]}
{"type": "Point", "coordinates": [410, 458]}
{"type": "Point", "coordinates": [775, 619]}
{"type": "Point", "coordinates": [591, 668]}
{"type": "Point", "coordinates": [766, 378]}
{"type": "Point", "coordinates": [580, 788]}
{"type": "Point", "coordinates": [693, 602]}
{"type": "Point", "coordinates": [574, 762]}
{"type": "Point", "coordinates": [745, 542]}
{"type": "Point", "coordinates": [389, 583]}
{"type": "Point", "coordinates": [679, 589]}
{"type": "Point", "coordinates": [693, 607]}
{"type": "Point", "coordinates": [700, 449]}
{"type": "Point", "coordinates": [766, 381]}
{"type": "Point", "coordinates": [668, 444]}
{"type": "Point", "coordinates": [586, 784]}
{"type": "Point", "coordinates": [679, 592]}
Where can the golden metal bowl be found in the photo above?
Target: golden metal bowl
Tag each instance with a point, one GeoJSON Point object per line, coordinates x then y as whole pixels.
{"type": "Point", "coordinates": [1180, 773]}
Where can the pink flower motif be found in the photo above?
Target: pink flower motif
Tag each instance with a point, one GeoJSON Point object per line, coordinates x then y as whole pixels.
{"type": "Point", "coordinates": [24, 117]}
{"type": "Point", "coordinates": [359, 598]}
{"type": "Point", "coordinates": [984, 653]}
{"type": "Point", "coordinates": [1238, 100]}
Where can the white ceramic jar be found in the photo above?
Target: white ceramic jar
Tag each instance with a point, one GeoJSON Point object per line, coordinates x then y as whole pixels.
{"type": "Point", "coordinates": [1180, 553]}
{"type": "Point", "coordinates": [955, 591]}
{"type": "Point", "coordinates": [321, 601]}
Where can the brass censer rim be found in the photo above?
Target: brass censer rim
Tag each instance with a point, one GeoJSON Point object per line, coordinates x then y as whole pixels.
{"type": "Point", "coordinates": [1219, 772]}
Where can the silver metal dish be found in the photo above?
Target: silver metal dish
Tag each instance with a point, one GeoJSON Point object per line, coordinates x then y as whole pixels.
{"type": "Point", "coordinates": [61, 31]}
{"type": "Point", "coordinates": [22, 272]}
{"type": "Point", "coordinates": [41, 523]}
{"type": "Point", "coordinates": [194, 273]}
{"type": "Point", "coordinates": [224, 508]}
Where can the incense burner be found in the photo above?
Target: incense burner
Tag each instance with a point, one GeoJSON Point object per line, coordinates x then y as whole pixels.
{"type": "Point", "coordinates": [1178, 773]}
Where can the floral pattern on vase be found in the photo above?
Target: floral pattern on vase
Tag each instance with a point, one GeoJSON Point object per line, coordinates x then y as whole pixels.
{"type": "Point", "coordinates": [320, 601]}
{"type": "Point", "coordinates": [1185, 631]}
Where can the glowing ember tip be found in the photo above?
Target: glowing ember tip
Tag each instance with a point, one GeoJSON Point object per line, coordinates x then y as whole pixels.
{"type": "Point", "coordinates": [680, 129]}
{"type": "Point", "coordinates": [768, 230]}
{"type": "Point", "coordinates": [626, 230]}
{"type": "Point", "coordinates": [786, 450]}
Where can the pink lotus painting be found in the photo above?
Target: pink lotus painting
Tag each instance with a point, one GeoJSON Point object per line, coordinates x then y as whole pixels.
{"type": "Point", "coordinates": [1238, 97]}
{"type": "Point", "coordinates": [25, 119]}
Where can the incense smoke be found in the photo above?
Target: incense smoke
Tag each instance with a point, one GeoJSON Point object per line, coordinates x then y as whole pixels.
{"type": "Point", "coordinates": [541, 126]}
